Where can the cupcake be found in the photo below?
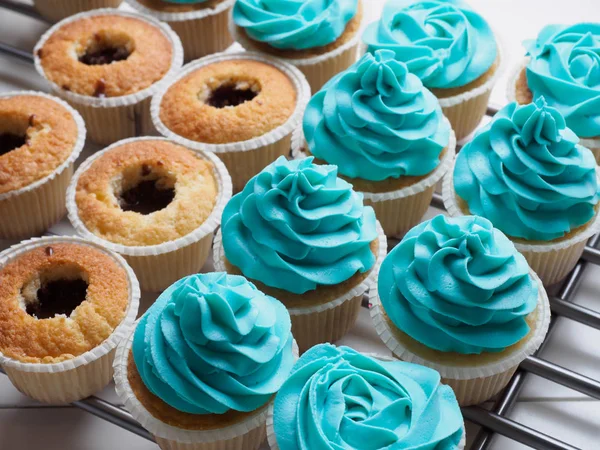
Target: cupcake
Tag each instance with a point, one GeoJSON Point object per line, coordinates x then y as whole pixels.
{"type": "Point", "coordinates": [55, 10]}
{"type": "Point", "coordinates": [336, 397]}
{"type": "Point", "coordinates": [65, 304]}
{"type": "Point", "coordinates": [387, 135]}
{"type": "Point", "coordinates": [321, 38]}
{"type": "Point", "coordinates": [562, 66]}
{"type": "Point", "coordinates": [204, 363]}
{"type": "Point", "coordinates": [450, 47]}
{"type": "Point", "coordinates": [526, 173]}
{"type": "Point", "coordinates": [154, 202]}
{"type": "Point", "coordinates": [304, 237]}
{"type": "Point", "coordinates": [107, 64]}
{"type": "Point", "coordinates": [241, 106]}
{"type": "Point", "coordinates": [202, 25]}
{"type": "Point", "coordinates": [456, 296]}
{"type": "Point", "coordinates": [40, 139]}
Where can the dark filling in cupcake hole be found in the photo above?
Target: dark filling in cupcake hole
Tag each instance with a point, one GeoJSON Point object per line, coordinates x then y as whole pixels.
{"type": "Point", "coordinates": [146, 197]}
{"type": "Point", "coordinates": [10, 142]}
{"type": "Point", "coordinates": [230, 95]}
{"type": "Point", "coordinates": [57, 297]}
{"type": "Point", "coordinates": [104, 55]}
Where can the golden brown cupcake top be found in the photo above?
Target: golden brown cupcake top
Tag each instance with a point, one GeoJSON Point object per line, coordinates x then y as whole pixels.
{"type": "Point", "coordinates": [59, 301]}
{"type": "Point", "coordinates": [162, 6]}
{"type": "Point", "coordinates": [229, 101]}
{"type": "Point", "coordinates": [146, 193]}
{"type": "Point", "coordinates": [36, 136]}
{"type": "Point", "coordinates": [106, 56]}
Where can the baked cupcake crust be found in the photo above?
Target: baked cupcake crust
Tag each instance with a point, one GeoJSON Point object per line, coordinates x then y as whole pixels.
{"type": "Point", "coordinates": [98, 189]}
{"type": "Point", "coordinates": [50, 133]}
{"type": "Point", "coordinates": [186, 111]}
{"type": "Point", "coordinates": [31, 340]}
{"type": "Point", "coordinates": [162, 6]}
{"type": "Point", "coordinates": [149, 55]}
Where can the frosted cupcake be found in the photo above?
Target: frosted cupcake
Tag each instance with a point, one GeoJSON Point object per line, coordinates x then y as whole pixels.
{"type": "Point", "coordinates": [204, 363]}
{"type": "Point", "coordinates": [387, 135]}
{"type": "Point", "coordinates": [528, 175]}
{"type": "Point", "coordinates": [450, 47]}
{"type": "Point", "coordinates": [456, 296]}
{"type": "Point", "coordinates": [304, 237]}
{"type": "Point", "coordinates": [55, 10]}
{"type": "Point", "coordinates": [319, 37]}
{"type": "Point", "coordinates": [336, 397]}
{"type": "Point", "coordinates": [202, 25]}
{"type": "Point", "coordinates": [562, 66]}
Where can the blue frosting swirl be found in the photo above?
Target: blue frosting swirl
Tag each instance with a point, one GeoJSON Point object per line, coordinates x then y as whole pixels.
{"type": "Point", "coordinates": [376, 121]}
{"type": "Point", "coordinates": [458, 285]}
{"type": "Point", "coordinates": [525, 172]}
{"type": "Point", "coordinates": [444, 42]}
{"type": "Point", "coordinates": [294, 24]}
{"type": "Point", "coordinates": [296, 226]}
{"type": "Point", "coordinates": [213, 343]}
{"type": "Point", "coordinates": [337, 398]}
{"type": "Point", "coordinates": [565, 69]}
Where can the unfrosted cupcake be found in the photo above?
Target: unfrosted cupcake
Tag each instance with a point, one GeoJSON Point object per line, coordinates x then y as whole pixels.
{"type": "Point", "coordinates": [55, 10]}
{"type": "Point", "coordinates": [65, 304]}
{"type": "Point", "coordinates": [450, 47]}
{"type": "Point", "coordinates": [320, 37]}
{"type": "Point", "coordinates": [155, 202]}
{"type": "Point", "coordinates": [456, 296]}
{"type": "Point", "coordinates": [303, 236]}
{"type": "Point", "coordinates": [40, 139]}
{"type": "Point", "coordinates": [336, 397]}
{"type": "Point", "coordinates": [107, 64]}
{"type": "Point", "coordinates": [202, 25]}
{"type": "Point", "coordinates": [528, 175]}
{"type": "Point", "coordinates": [204, 363]}
{"type": "Point", "coordinates": [562, 65]}
{"type": "Point", "coordinates": [387, 135]}
{"type": "Point", "coordinates": [241, 106]}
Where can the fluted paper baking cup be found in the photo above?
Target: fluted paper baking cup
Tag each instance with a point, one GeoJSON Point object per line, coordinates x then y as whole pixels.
{"type": "Point", "coordinates": [55, 10]}
{"type": "Point", "coordinates": [82, 376]}
{"type": "Point", "coordinates": [158, 266]}
{"type": "Point", "coordinates": [272, 438]}
{"type": "Point", "coordinates": [476, 383]}
{"type": "Point", "coordinates": [34, 208]}
{"type": "Point", "coordinates": [326, 322]}
{"type": "Point", "coordinates": [244, 159]}
{"type": "Point", "coordinates": [317, 69]}
{"type": "Point", "coordinates": [202, 32]}
{"type": "Point", "coordinates": [552, 261]}
{"type": "Point", "coordinates": [112, 118]}
{"type": "Point", "coordinates": [248, 434]}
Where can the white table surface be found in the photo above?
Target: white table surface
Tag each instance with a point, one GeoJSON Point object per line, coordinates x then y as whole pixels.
{"type": "Point", "coordinates": [560, 412]}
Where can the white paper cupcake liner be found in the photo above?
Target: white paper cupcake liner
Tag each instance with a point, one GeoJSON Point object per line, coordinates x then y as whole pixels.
{"type": "Point", "coordinates": [86, 373]}
{"type": "Point", "coordinates": [55, 10]}
{"type": "Point", "coordinates": [510, 361]}
{"type": "Point", "coordinates": [203, 231]}
{"type": "Point", "coordinates": [169, 16]}
{"type": "Point", "coordinates": [168, 432]}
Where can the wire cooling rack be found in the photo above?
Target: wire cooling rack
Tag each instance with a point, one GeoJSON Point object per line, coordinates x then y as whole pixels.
{"type": "Point", "coordinates": [491, 421]}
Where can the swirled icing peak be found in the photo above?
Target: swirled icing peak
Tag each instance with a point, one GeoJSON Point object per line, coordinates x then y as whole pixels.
{"type": "Point", "coordinates": [565, 69]}
{"type": "Point", "coordinates": [376, 121]}
{"type": "Point", "coordinates": [294, 24]}
{"type": "Point", "coordinates": [526, 173]}
{"type": "Point", "coordinates": [337, 398]}
{"type": "Point", "coordinates": [458, 285]}
{"type": "Point", "coordinates": [296, 226]}
{"type": "Point", "coordinates": [213, 343]}
{"type": "Point", "coordinates": [444, 42]}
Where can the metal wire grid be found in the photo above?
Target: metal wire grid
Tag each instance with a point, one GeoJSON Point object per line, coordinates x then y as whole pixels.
{"type": "Point", "coordinates": [491, 421]}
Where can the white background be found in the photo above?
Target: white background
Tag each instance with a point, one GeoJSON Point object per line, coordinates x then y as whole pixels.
{"type": "Point", "coordinates": [563, 413]}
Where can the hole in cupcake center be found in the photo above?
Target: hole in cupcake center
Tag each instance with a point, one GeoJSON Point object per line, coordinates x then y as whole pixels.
{"type": "Point", "coordinates": [10, 142]}
{"type": "Point", "coordinates": [232, 94]}
{"type": "Point", "coordinates": [151, 192]}
{"type": "Point", "coordinates": [106, 47]}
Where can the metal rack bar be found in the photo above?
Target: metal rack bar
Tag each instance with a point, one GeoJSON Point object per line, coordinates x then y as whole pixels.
{"type": "Point", "coordinates": [22, 8]}
{"type": "Point", "coordinates": [15, 52]}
